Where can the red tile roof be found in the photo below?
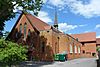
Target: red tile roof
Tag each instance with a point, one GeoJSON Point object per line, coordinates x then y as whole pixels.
{"type": "Point", "coordinates": [85, 37]}
{"type": "Point", "coordinates": [37, 23]}
{"type": "Point", "coordinates": [47, 27]}
{"type": "Point", "coordinates": [98, 40]}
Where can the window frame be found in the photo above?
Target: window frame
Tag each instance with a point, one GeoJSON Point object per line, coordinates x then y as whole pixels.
{"type": "Point", "coordinates": [79, 49]}
{"type": "Point", "coordinates": [71, 48]}
{"type": "Point", "coordinates": [25, 29]}
{"type": "Point", "coordinates": [43, 47]}
{"type": "Point", "coordinates": [75, 48]}
{"type": "Point", "coordinates": [20, 28]}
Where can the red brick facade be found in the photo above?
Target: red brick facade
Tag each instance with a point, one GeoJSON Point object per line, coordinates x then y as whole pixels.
{"type": "Point", "coordinates": [43, 40]}
{"type": "Point", "coordinates": [88, 41]}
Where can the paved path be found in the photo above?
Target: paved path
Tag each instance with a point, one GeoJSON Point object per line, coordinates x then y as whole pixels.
{"type": "Point", "coordinates": [81, 62]}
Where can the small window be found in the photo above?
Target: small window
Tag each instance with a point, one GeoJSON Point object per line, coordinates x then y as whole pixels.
{"type": "Point", "coordinates": [56, 48]}
{"type": "Point", "coordinates": [83, 51]}
{"type": "Point", "coordinates": [71, 49]}
{"type": "Point", "coordinates": [29, 32]}
{"type": "Point", "coordinates": [43, 47]}
{"type": "Point", "coordinates": [25, 28]}
{"type": "Point", "coordinates": [72, 40]}
{"type": "Point", "coordinates": [16, 35]}
{"type": "Point", "coordinates": [83, 44]}
{"type": "Point", "coordinates": [76, 39]}
{"type": "Point", "coordinates": [58, 37]}
{"type": "Point", "coordinates": [79, 50]}
{"type": "Point", "coordinates": [20, 28]}
{"type": "Point", "coordinates": [75, 49]}
{"type": "Point", "coordinates": [93, 54]}
{"type": "Point", "coordinates": [47, 31]}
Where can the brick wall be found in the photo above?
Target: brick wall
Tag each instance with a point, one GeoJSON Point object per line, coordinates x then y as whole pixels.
{"type": "Point", "coordinates": [43, 44]}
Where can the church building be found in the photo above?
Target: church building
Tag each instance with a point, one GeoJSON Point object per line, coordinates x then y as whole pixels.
{"type": "Point", "coordinates": [43, 40]}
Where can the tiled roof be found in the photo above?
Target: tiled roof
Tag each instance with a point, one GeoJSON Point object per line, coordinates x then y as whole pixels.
{"type": "Point", "coordinates": [39, 25]}
{"type": "Point", "coordinates": [85, 37]}
{"type": "Point", "coordinates": [98, 40]}
{"type": "Point", "coordinates": [47, 27]}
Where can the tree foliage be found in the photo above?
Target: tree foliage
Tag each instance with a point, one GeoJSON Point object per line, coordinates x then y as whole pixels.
{"type": "Point", "coordinates": [7, 8]}
{"type": "Point", "coordinates": [11, 53]}
{"type": "Point", "coordinates": [5, 34]}
{"type": "Point", "coordinates": [98, 48]}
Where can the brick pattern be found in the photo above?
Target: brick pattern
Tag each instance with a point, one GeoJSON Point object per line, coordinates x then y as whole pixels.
{"type": "Point", "coordinates": [88, 41]}
{"type": "Point", "coordinates": [44, 40]}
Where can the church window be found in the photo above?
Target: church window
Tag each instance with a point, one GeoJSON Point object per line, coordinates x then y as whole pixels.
{"type": "Point", "coordinates": [25, 28]}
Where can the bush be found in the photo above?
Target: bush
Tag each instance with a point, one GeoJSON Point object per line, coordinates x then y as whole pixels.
{"type": "Point", "coordinates": [11, 53]}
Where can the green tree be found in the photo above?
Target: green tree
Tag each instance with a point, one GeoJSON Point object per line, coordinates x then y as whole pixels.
{"type": "Point", "coordinates": [98, 48]}
{"type": "Point", "coordinates": [11, 53]}
{"type": "Point", "coordinates": [7, 8]}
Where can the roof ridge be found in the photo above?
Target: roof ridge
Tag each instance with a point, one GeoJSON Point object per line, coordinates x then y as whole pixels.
{"type": "Point", "coordinates": [83, 33]}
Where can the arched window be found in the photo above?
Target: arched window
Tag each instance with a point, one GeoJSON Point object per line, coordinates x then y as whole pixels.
{"type": "Point", "coordinates": [43, 47]}
{"type": "Point", "coordinates": [71, 49]}
{"type": "Point", "coordinates": [25, 28]}
{"type": "Point", "coordinates": [75, 49]}
{"type": "Point", "coordinates": [20, 28]}
{"type": "Point", "coordinates": [56, 48]}
{"type": "Point", "coordinates": [29, 32]}
{"type": "Point", "coordinates": [79, 50]}
{"type": "Point", "coordinates": [16, 35]}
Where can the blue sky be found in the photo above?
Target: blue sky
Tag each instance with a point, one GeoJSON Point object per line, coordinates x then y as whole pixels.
{"type": "Point", "coordinates": [74, 16]}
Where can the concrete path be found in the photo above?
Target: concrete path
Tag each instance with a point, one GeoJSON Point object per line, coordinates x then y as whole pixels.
{"type": "Point", "coordinates": [81, 62]}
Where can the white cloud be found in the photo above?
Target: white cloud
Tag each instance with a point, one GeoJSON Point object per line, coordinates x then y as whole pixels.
{"type": "Point", "coordinates": [60, 4]}
{"type": "Point", "coordinates": [64, 27]}
{"type": "Point", "coordinates": [87, 10]}
{"type": "Point", "coordinates": [98, 36]}
{"type": "Point", "coordinates": [50, 7]}
{"type": "Point", "coordinates": [17, 8]}
{"type": "Point", "coordinates": [44, 1]}
{"type": "Point", "coordinates": [56, 2]}
{"type": "Point", "coordinates": [44, 16]}
{"type": "Point", "coordinates": [91, 9]}
{"type": "Point", "coordinates": [97, 26]}
{"type": "Point", "coordinates": [82, 25]}
{"type": "Point", "coordinates": [86, 31]}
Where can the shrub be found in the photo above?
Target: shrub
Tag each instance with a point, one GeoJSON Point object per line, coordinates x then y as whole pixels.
{"type": "Point", "coordinates": [11, 53]}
